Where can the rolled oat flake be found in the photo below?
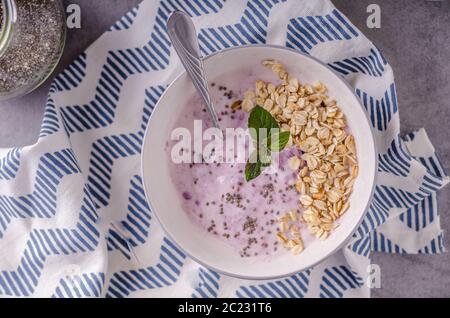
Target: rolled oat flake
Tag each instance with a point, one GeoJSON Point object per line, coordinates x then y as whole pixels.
{"type": "Point", "coordinates": [32, 36]}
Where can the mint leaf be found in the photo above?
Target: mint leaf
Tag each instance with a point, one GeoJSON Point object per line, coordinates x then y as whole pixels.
{"type": "Point", "coordinates": [264, 156]}
{"type": "Point", "coordinates": [257, 161]}
{"type": "Point", "coordinates": [252, 170]}
{"type": "Point", "coordinates": [266, 135]}
{"type": "Point", "coordinates": [278, 141]}
{"type": "Point", "coordinates": [260, 119]}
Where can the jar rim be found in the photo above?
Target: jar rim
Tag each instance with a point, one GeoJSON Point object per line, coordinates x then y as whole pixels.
{"type": "Point", "coordinates": [6, 29]}
{"type": "Point", "coordinates": [40, 76]}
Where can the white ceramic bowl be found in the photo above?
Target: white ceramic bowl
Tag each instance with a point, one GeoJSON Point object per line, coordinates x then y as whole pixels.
{"type": "Point", "coordinates": [166, 202]}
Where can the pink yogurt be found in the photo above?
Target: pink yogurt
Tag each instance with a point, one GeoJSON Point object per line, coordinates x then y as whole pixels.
{"type": "Point", "coordinates": [217, 197]}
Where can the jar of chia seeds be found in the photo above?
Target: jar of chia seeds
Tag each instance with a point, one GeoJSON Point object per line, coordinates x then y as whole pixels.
{"type": "Point", "coordinates": [32, 38]}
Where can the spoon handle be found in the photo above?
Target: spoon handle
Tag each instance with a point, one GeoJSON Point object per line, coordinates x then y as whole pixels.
{"type": "Point", "coordinates": [183, 35]}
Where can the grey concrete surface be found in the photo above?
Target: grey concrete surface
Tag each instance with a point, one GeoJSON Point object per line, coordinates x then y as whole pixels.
{"type": "Point", "coordinates": [415, 38]}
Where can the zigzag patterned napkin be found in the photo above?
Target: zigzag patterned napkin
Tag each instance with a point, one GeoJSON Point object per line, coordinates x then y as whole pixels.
{"type": "Point", "coordinates": [74, 221]}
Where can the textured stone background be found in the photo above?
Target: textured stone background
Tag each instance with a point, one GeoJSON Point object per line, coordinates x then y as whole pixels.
{"type": "Point", "coordinates": [415, 38]}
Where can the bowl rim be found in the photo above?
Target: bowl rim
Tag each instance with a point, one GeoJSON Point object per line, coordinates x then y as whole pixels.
{"type": "Point", "coordinates": [338, 247]}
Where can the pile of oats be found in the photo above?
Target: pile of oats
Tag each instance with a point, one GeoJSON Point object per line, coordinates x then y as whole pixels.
{"type": "Point", "coordinates": [289, 234]}
{"type": "Point", "coordinates": [328, 166]}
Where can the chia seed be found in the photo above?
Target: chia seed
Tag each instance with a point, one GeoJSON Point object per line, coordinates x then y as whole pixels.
{"type": "Point", "coordinates": [267, 190]}
{"type": "Point", "coordinates": [250, 225]}
{"type": "Point", "coordinates": [187, 196]}
{"type": "Point", "coordinates": [35, 46]}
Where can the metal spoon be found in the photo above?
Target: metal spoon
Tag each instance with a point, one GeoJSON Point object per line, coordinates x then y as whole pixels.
{"type": "Point", "coordinates": [183, 35]}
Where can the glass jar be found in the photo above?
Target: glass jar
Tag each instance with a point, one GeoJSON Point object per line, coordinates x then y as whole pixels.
{"type": "Point", "coordinates": [32, 38]}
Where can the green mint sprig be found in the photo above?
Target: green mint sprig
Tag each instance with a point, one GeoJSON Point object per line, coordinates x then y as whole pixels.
{"type": "Point", "coordinates": [267, 138]}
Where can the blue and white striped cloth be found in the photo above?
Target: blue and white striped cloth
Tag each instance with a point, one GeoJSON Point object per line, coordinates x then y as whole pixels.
{"type": "Point", "coordinates": [74, 221]}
